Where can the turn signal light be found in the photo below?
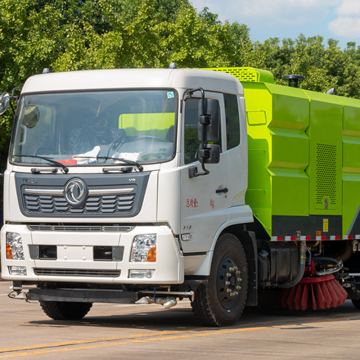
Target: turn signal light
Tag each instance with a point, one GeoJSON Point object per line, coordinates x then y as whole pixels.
{"type": "Point", "coordinates": [151, 257]}
{"type": "Point", "coordinates": [9, 254]}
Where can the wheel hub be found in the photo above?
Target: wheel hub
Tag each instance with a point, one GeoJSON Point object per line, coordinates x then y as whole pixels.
{"type": "Point", "coordinates": [228, 282]}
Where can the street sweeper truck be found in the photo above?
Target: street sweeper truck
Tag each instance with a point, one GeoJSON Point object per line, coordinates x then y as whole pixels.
{"type": "Point", "coordinates": [155, 185]}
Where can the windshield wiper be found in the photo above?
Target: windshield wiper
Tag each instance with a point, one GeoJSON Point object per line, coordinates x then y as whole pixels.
{"type": "Point", "coordinates": [64, 168]}
{"type": "Point", "coordinates": [125, 161]}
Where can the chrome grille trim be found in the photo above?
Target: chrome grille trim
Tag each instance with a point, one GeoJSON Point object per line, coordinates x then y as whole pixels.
{"type": "Point", "coordinates": [110, 191]}
{"type": "Point", "coordinates": [92, 192]}
{"type": "Point", "coordinates": [76, 272]}
{"type": "Point", "coordinates": [118, 228]}
{"type": "Point", "coordinates": [54, 192]}
{"type": "Point", "coordinates": [82, 228]}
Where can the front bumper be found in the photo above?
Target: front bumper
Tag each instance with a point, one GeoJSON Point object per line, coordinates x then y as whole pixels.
{"type": "Point", "coordinates": [75, 260]}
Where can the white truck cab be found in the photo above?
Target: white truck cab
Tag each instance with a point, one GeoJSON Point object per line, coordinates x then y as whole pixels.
{"type": "Point", "coordinates": [109, 189]}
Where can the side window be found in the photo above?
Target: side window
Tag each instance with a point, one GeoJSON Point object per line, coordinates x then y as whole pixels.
{"type": "Point", "coordinates": [191, 142]}
{"type": "Point", "coordinates": [232, 121]}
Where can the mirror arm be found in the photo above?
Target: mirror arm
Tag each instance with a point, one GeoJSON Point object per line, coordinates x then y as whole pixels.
{"type": "Point", "coordinates": [193, 170]}
{"type": "Point", "coordinates": [189, 92]}
{"type": "Point", "coordinates": [12, 109]}
{"type": "Point", "coordinates": [13, 96]}
{"type": "Point", "coordinates": [16, 98]}
{"type": "Point", "coordinates": [206, 171]}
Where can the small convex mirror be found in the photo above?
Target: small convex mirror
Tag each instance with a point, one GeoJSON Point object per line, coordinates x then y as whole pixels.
{"type": "Point", "coordinates": [4, 102]}
{"type": "Point", "coordinates": [210, 154]}
{"type": "Point", "coordinates": [209, 118]}
{"type": "Point", "coordinates": [31, 116]}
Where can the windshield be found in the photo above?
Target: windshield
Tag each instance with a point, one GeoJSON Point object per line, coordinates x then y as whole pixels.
{"type": "Point", "coordinates": [93, 128]}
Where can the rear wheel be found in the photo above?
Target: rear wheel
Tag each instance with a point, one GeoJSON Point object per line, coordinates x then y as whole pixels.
{"type": "Point", "coordinates": [221, 301]}
{"type": "Point", "coordinates": [65, 310]}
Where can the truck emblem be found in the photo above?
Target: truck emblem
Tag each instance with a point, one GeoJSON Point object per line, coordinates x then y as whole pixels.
{"type": "Point", "coordinates": [76, 192]}
{"type": "Point", "coordinates": [30, 181]}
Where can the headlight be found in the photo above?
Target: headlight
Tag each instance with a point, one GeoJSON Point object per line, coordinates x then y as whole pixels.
{"type": "Point", "coordinates": [144, 248]}
{"type": "Point", "coordinates": [14, 246]}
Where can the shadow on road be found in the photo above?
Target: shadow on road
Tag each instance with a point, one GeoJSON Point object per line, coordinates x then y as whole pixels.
{"type": "Point", "coordinates": [157, 319]}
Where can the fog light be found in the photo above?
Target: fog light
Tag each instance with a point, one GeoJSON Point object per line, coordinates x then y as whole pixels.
{"type": "Point", "coordinates": [144, 248]}
{"type": "Point", "coordinates": [139, 274]}
{"type": "Point", "coordinates": [14, 246]}
{"type": "Point", "coordinates": [17, 270]}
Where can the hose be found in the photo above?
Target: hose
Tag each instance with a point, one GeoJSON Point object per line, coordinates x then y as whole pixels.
{"type": "Point", "coordinates": [338, 266]}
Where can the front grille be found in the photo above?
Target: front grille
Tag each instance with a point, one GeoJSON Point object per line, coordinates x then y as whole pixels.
{"type": "Point", "coordinates": [106, 204]}
{"type": "Point", "coordinates": [83, 228]}
{"type": "Point", "coordinates": [76, 272]}
{"type": "Point", "coordinates": [108, 196]}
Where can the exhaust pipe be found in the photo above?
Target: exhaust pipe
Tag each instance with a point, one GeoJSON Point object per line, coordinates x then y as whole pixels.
{"type": "Point", "coordinates": [166, 302]}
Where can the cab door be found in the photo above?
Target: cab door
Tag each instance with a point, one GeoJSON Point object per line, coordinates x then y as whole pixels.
{"type": "Point", "coordinates": [204, 199]}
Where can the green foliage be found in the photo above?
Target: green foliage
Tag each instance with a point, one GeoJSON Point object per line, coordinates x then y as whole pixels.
{"type": "Point", "coordinates": [67, 35]}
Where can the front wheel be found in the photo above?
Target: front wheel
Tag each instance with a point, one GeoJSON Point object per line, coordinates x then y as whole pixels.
{"type": "Point", "coordinates": [65, 310]}
{"type": "Point", "coordinates": [221, 301]}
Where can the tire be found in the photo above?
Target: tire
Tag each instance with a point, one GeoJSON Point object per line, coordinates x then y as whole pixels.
{"type": "Point", "coordinates": [356, 303]}
{"type": "Point", "coordinates": [214, 304]}
{"type": "Point", "coordinates": [65, 310]}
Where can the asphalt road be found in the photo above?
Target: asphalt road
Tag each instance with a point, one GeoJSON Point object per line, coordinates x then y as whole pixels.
{"type": "Point", "coordinates": [149, 332]}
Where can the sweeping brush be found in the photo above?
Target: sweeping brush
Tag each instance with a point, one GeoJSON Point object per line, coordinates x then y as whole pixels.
{"type": "Point", "coordinates": [320, 292]}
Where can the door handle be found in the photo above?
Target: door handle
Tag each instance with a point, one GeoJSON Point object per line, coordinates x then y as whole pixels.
{"type": "Point", "coordinates": [222, 190]}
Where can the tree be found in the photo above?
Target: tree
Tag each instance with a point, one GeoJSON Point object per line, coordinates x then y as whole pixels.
{"type": "Point", "coordinates": [69, 35]}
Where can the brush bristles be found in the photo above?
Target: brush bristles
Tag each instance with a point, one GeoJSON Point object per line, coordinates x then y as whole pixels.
{"type": "Point", "coordinates": [317, 294]}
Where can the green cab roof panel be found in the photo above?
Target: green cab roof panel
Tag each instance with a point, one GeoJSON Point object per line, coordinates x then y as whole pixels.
{"type": "Point", "coordinates": [247, 74]}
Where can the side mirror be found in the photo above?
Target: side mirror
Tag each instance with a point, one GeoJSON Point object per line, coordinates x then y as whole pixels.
{"type": "Point", "coordinates": [208, 127]}
{"type": "Point", "coordinates": [4, 102]}
{"type": "Point", "coordinates": [210, 154]}
{"type": "Point", "coordinates": [208, 131]}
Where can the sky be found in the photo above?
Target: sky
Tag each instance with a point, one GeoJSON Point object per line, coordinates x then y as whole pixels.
{"type": "Point", "coordinates": [336, 19]}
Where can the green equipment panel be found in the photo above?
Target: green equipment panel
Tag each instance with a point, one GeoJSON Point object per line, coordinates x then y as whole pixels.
{"type": "Point", "coordinates": [304, 159]}
{"type": "Point", "coordinates": [351, 166]}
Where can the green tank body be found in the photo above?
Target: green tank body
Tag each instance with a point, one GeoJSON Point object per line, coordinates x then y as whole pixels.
{"type": "Point", "coordinates": [304, 159]}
